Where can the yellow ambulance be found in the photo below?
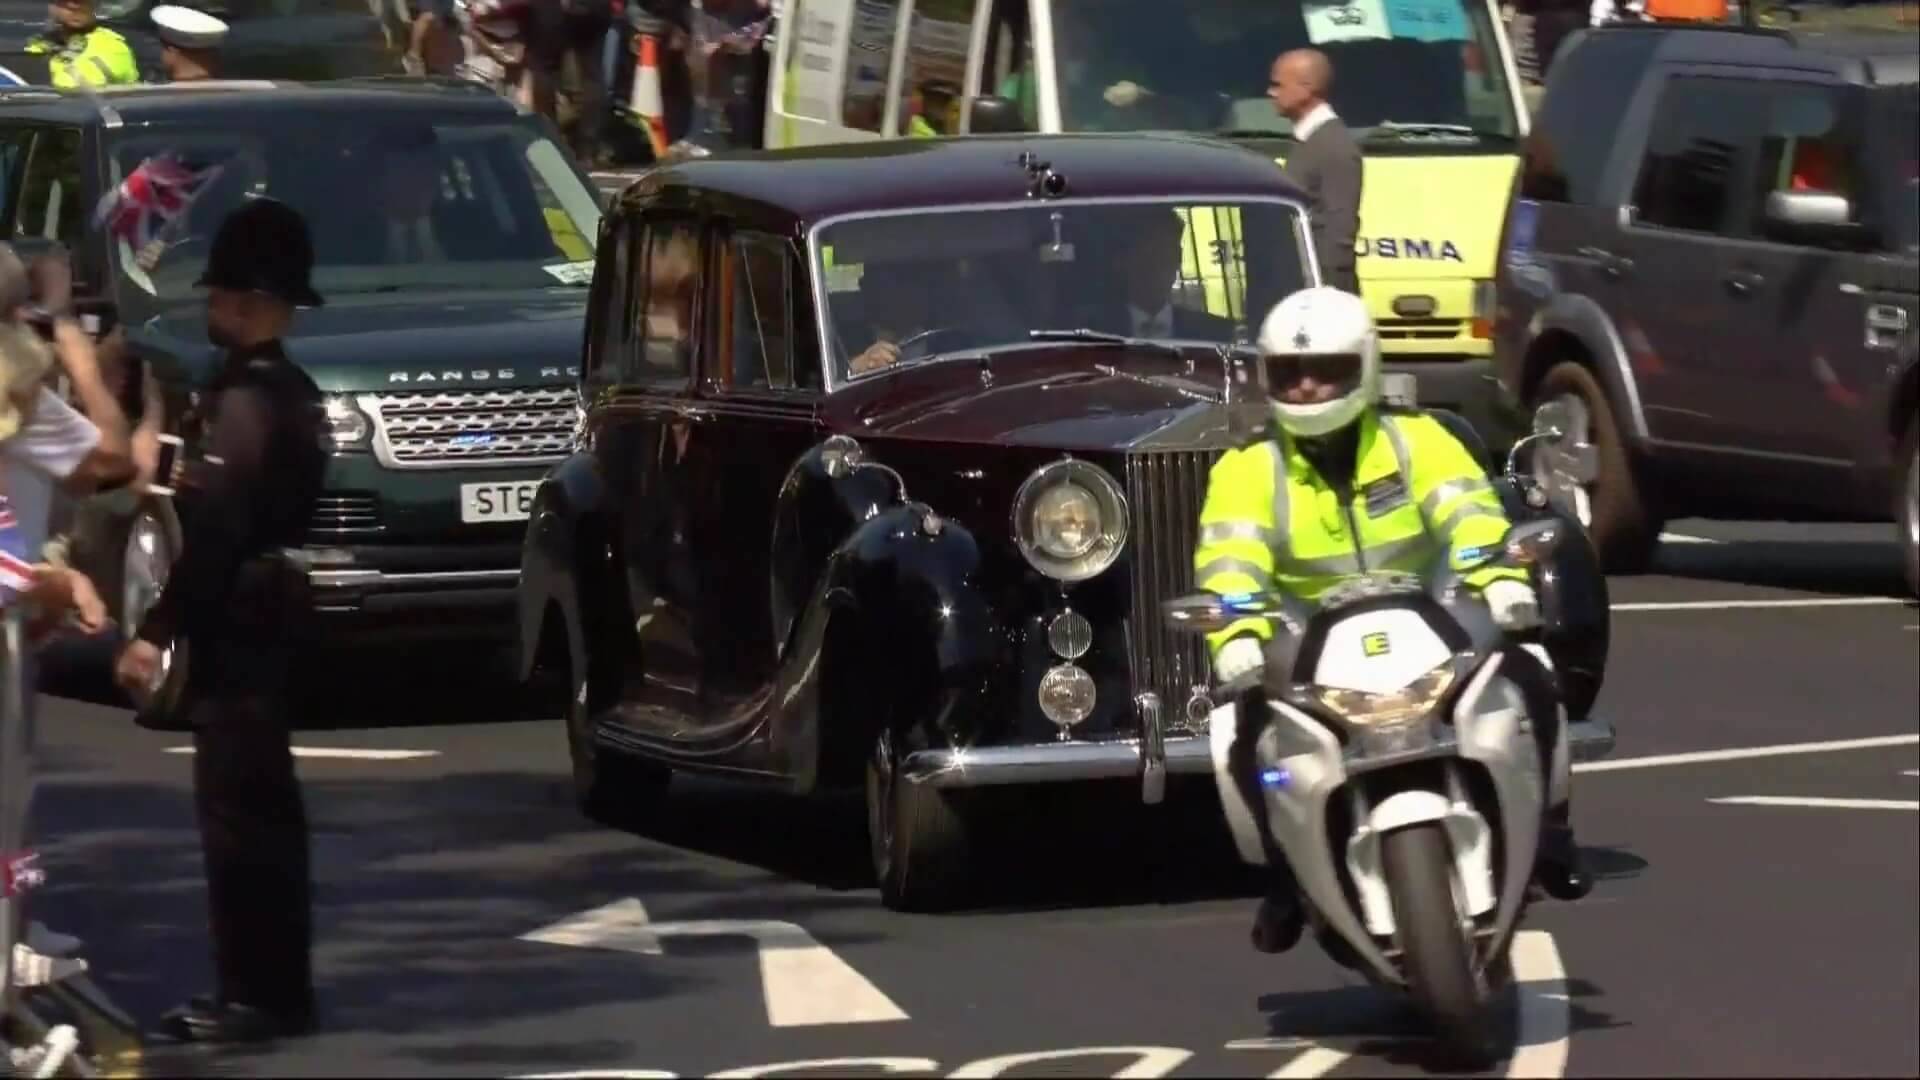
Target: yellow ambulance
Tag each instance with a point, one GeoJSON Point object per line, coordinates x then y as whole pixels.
{"type": "Point", "coordinates": [1428, 87]}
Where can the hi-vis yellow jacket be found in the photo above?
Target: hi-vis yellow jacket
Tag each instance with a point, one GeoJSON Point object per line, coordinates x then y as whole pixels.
{"type": "Point", "coordinates": [99, 57]}
{"type": "Point", "coordinates": [1272, 522]}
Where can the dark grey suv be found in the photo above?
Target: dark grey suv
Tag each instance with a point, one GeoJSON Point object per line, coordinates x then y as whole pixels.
{"type": "Point", "coordinates": [1713, 255]}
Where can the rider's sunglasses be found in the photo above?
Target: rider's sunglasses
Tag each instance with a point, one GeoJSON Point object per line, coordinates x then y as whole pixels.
{"type": "Point", "coordinates": [1336, 368]}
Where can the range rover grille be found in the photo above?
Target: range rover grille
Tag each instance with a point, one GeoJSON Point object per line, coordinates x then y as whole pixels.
{"type": "Point", "coordinates": [1166, 490]}
{"type": "Point", "coordinates": [439, 429]}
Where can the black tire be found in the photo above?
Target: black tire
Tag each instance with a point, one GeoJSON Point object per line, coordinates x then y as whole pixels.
{"type": "Point", "coordinates": [1436, 955]}
{"type": "Point", "coordinates": [1907, 504]}
{"type": "Point", "coordinates": [610, 787]}
{"type": "Point", "coordinates": [917, 836]}
{"type": "Point", "coordinates": [1625, 528]}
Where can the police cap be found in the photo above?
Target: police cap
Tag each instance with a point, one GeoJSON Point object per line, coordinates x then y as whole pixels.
{"type": "Point", "coordinates": [185, 28]}
{"type": "Point", "coordinates": [264, 246]}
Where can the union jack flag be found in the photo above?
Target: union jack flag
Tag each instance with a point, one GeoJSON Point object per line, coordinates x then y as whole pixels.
{"type": "Point", "coordinates": [16, 567]}
{"type": "Point", "coordinates": [154, 196]}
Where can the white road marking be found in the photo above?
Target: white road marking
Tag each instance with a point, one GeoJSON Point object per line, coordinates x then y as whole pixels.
{"type": "Point", "coordinates": [1683, 538]}
{"type": "Point", "coordinates": [1911, 772]}
{"type": "Point", "coordinates": [1823, 804]}
{"type": "Point", "coordinates": [1318, 1061]}
{"type": "Point", "coordinates": [1732, 605]}
{"type": "Point", "coordinates": [884, 1064]}
{"type": "Point", "coordinates": [803, 981]}
{"type": "Point", "coordinates": [1781, 750]}
{"type": "Point", "coordinates": [1546, 1020]}
{"type": "Point", "coordinates": [342, 752]}
{"type": "Point", "coordinates": [1149, 1061]}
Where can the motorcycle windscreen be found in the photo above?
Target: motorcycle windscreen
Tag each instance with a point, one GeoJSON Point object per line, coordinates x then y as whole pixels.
{"type": "Point", "coordinates": [1383, 651]}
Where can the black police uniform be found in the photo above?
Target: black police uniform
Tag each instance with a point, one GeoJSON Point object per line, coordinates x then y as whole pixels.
{"type": "Point", "coordinates": [240, 607]}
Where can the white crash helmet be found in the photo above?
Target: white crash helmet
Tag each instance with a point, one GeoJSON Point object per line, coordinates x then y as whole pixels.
{"type": "Point", "coordinates": [1325, 332]}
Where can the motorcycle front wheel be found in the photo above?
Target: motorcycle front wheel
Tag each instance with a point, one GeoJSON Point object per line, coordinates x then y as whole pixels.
{"type": "Point", "coordinates": [1436, 943]}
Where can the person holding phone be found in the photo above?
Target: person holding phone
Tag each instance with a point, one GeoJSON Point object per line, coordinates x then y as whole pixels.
{"type": "Point", "coordinates": [239, 604]}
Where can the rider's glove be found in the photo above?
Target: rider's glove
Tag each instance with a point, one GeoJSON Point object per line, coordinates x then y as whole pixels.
{"type": "Point", "coordinates": [1237, 658]}
{"type": "Point", "coordinates": [1515, 605]}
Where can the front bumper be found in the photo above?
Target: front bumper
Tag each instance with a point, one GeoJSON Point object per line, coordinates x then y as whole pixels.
{"type": "Point", "coordinates": [1152, 757]}
{"type": "Point", "coordinates": [413, 602]}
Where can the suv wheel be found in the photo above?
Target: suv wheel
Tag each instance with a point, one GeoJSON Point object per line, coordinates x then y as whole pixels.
{"type": "Point", "coordinates": [1625, 530]}
{"type": "Point", "coordinates": [1907, 512]}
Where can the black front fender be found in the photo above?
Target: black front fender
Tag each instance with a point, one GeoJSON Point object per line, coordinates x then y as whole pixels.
{"type": "Point", "coordinates": [556, 555]}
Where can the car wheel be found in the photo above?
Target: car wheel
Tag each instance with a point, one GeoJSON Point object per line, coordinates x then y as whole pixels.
{"type": "Point", "coordinates": [146, 558]}
{"type": "Point", "coordinates": [610, 787]}
{"type": "Point", "coordinates": [917, 835]}
{"type": "Point", "coordinates": [1907, 513]}
{"type": "Point", "coordinates": [1624, 528]}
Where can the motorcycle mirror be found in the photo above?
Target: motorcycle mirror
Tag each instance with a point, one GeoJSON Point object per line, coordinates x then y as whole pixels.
{"type": "Point", "coordinates": [1533, 542]}
{"type": "Point", "coordinates": [1200, 613]}
{"type": "Point", "coordinates": [1553, 420]}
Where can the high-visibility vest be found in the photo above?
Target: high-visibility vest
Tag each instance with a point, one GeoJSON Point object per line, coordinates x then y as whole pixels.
{"type": "Point", "coordinates": [99, 57]}
{"type": "Point", "coordinates": [1271, 522]}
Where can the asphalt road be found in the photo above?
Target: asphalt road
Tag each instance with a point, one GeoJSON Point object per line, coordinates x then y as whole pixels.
{"type": "Point", "coordinates": [1725, 937]}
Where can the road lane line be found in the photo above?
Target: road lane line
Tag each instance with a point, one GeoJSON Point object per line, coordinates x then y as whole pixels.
{"type": "Point", "coordinates": [1540, 1047]}
{"type": "Point", "coordinates": [1315, 1062]}
{"type": "Point", "coordinates": [1683, 538]}
{"type": "Point", "coordinates": [347, 753]}
{"type": "Point", "coordinates": [1731, 605]}
{"type": "Point", "coordinates": [1741, 753]}
{"type": "Point", "coordinates": [1911, 772]}
{"type": "Point", "coordinates": [1148, 1061]}
{"type": "Point", "coordinates": [1823, 804]}
{"type": "Point", "coordinates": [804, 982]}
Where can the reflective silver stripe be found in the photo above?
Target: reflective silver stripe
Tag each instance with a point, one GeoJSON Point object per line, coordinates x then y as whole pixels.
{"type": "Point", "coordinates": [1399, 445]}
{"type": "Point", "coordinates": [1222, 531]}
{"type": "Point", "coordinates": [1377, 556]}
{"type": "Point", "coordinates": [106, 73]}
{"type": "Point", "coordinates": [1465, 513]}
{"type": "Point", "coordinates": [1207, 573]}
{"type": "Point", "coordinates": [1449, 491]}
{"type": "Point", "coordinates": [1282, 496]}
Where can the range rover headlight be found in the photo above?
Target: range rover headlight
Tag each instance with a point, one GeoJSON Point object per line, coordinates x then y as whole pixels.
{"type": "Point", "coordinates": [1070, 520]}
{"type": "Point", "coordinates": [347, 426]}
{"type": "Point", "coordinates": [1365, 710]}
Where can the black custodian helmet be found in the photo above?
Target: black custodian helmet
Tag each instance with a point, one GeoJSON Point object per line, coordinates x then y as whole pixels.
{"type": "Point", "coordinates": [264, 246]}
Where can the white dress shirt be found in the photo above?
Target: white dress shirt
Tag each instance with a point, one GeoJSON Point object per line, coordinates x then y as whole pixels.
{"type": "Point", "coordinates": [1311, 122]}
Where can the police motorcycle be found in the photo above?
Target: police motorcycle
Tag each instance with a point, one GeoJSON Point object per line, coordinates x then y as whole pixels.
{"type": "Point", "coordinates": [1409, 753]}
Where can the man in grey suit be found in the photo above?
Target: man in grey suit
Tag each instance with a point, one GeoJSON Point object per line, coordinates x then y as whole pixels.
{"type": "Point", "coordinates": [1325, 163]}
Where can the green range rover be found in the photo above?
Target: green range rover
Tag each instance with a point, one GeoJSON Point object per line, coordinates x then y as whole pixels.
{"type": "Point", "coordinates": [453, 246]}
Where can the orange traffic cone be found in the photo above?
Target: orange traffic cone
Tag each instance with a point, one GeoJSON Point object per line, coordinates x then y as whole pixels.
{"type": "Point", "coordinates": [645, 102]}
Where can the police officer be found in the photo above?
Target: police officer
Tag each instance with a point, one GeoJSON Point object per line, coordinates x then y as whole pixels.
{"type": "Point", "coordinates": [189, 42]}
{"type": "Point", "coordinates": [238, 605]}
{"type": "Point", "coordinates": [1334, 487]}
{"type": "Point", "coordinates": [82, 52]}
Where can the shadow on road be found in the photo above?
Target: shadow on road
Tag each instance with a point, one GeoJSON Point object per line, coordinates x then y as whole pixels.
{"type": "Point", "coordinates": [1830, 568]}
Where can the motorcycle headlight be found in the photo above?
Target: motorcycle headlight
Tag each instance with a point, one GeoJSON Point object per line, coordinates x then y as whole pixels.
{"type": "Point", "coordinates": [1070, 520]}
{"type": "Point", "coordinates": [1367, 710]}
{"type": "Point", "coordinates": [347, 426]}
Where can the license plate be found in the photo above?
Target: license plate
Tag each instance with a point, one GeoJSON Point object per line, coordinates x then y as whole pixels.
{"type": "Point", "coordinates": [507, 501]}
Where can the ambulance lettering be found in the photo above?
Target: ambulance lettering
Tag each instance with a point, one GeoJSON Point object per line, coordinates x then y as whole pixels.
{"type": "Point", "coordinates": [1406, 247]}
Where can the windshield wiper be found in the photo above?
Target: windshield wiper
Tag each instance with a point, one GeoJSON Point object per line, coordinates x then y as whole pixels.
{"type": "Point", "coordinates": [1099, 337]}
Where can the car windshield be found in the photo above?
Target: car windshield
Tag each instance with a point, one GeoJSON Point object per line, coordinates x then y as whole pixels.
{"type": "Point", "coordinates": [1401, 67]}
{"type": "Point", "coordinates": [393, 205]}
{"type": "Point", "coordinates": [909, 288]}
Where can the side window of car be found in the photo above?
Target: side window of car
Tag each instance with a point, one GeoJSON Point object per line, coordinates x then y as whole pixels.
{"type": "Point", "coordinates": [1578, 124]}
{"type": "Point", "coordinates": [1812, 142]}
{"type": "Point", "coordinates": [666, 284]}
{"type": "Point", "coordinates": [936, 67]}
{"type": "Point", "coordinates": [1704, 134]}
{"type": "Point", "coordinates": [609, 304]}
{"type": "Point", "coordinates": [863, 95]}
{"type": "Point", "coordinates": [760, 327]}
{"type": "Point", "coordinates": [49, 206]}
{"type": "Point", "coordinates": [14, 143]}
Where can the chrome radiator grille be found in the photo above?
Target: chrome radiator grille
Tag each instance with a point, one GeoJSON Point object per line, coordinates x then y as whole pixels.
{"type": "Point", "coordinates": [345, 513]}
{"type": "Point", "coordinates": [1165, 490]}
{"type": "Point", "coordinates": [438, 429]}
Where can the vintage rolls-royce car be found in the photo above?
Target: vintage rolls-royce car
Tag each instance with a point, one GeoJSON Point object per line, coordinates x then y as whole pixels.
{"type": "Point", "coordinates": [888, 456]}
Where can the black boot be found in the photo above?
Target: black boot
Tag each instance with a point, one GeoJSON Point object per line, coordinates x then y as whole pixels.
{"type": "Point", "coordinates": [1278, 923]}
{"type": "Point", "coordinates": [1558, 868]}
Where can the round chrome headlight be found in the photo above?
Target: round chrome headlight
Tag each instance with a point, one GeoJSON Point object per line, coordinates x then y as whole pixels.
{"type": "Point", "coordinates": [1070, 520]}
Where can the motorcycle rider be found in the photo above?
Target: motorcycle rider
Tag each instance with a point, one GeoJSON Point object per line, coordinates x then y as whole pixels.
{"type": "Point", "coordinates": [1366, 488]}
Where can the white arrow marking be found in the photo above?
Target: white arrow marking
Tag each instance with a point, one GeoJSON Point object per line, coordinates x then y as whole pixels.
{"type": "Point", "coordinates": [884, 1064]}
{"type": "Point", "coordinates": [803, 981]}
{"type": "Point", "coordinates": [1149, 1061]}
{"type": "Point", "coordinates": [1545, 1014]}
{"type": "Point", "coordinates": [1825, 804]}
